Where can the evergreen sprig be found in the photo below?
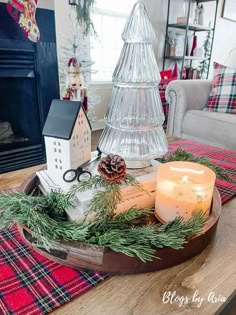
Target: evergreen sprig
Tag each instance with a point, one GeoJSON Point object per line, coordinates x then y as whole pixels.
{"type": "Point", "coordinates": [182, 155]}
{"type": "Point", "coordinates": [143, 240]}
{"type": "Point", "coordinates": [83, 12]}
{"type": "Point", "coordinates": [45, 216]}
{"type": "Point", "coordinates": [108, 196]}
{"type": "Point", "coordinates": [204, 64]}
{"type": "Point", "coordinates": [127, 233]}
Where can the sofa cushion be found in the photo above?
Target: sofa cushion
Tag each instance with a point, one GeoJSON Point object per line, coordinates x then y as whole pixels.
{"type": "Point", "coordinates": [216, 128]}
{"type": "Point", "coordinates": [222, 97]}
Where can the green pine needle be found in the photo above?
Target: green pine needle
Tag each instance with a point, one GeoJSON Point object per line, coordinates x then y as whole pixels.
{"type": "Point", "coordinates": [204, 64]}
{"type": "Point", "coordinates": [127, 233]}
{"type": "Point", "coordinates": [143, 240]}
{"type": "Point", "coordinates": [108, 196]}
{"type": "Point", "coordinates": [83, 13]}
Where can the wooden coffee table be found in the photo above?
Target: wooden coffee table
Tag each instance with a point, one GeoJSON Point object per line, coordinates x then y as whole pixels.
{"type": "Point", "coordinates": [208, 279]}
{"type": "Point", "coordinates": [211, 272]}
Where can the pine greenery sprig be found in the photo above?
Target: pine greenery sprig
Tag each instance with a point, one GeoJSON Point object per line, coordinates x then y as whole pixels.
{"type": "Point", "coordinates": [83, 11]}
{"type": "Point", "coordinates": [143, 240]}
{"type": "Point", "coordinates": [204, 65]}
{"type": "Point", "coordinates": [127, 233]}
{"type": "Point", "coordinates": [105, 200]}
{"type": "Point", "coordinates": [44, 215]}
{"type": "Point", "coordinates": [182, 155]}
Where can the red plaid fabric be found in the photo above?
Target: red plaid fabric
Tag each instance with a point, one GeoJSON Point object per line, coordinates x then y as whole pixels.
{"type": "Point", "coordinates": [166, 77]}
{"type": "Point", "coordinates": [223, 94]}
{"type": "Point", "coordinates": [221, 157]}
{"type": "Point", "coordinates": [31, 284]}
{"type": "Point", "coordinates": [165, 105]}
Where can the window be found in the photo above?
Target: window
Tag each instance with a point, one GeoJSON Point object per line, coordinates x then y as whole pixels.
{"type": "Point", "coordinates": [109, 19]}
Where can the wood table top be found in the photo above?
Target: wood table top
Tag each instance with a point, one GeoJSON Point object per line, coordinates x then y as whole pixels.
{"type": "Point", "coordinates": [208, 276]}
{"type": "Point", "coordinates": [202, 283]}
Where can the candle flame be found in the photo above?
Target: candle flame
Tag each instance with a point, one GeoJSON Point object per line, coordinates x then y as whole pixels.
{"type": "Point", "coordinates": [185, 179]}
{"type": "Point", "coordinates": [186, 170]}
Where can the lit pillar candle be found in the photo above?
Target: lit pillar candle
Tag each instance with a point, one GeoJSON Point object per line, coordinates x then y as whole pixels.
{"type": "Point", "coordinates": [183, 188]}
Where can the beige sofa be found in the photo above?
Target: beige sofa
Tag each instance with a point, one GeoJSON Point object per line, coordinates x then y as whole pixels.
{"type": "Point", "coordinates": [186, 118]}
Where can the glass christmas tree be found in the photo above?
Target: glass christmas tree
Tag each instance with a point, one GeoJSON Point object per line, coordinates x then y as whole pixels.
{"type": "Point", "coordinates": [135, 116]}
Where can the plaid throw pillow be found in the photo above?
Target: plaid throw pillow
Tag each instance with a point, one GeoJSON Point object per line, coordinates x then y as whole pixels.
{"type": "Point", "coordinates": [223, 94]}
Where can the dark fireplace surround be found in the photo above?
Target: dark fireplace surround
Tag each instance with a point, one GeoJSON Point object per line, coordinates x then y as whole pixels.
{"type": "Point", "coordinates": [28, 84]}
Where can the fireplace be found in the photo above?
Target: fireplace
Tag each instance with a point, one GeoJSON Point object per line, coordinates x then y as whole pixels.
{"type": "Point", "coordinates": [28, 83]}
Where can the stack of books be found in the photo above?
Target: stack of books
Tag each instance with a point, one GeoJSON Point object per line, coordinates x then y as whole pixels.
{"type": "Point", "coordinates": [132, 196]}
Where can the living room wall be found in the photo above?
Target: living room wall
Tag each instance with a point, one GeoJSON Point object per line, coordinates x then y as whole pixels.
{"type": "Point", "coordinates": [225, 39]}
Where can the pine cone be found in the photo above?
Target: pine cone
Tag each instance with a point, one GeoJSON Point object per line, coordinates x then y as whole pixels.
{"type": "Point", "coordinates": [112, 168]}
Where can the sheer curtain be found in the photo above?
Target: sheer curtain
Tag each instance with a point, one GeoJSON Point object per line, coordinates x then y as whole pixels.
{"type": "Point", "coordinates": [109, 19]}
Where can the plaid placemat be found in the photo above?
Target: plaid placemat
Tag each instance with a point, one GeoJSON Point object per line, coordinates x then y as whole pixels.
{"type": "Point", "coordinates": [221, 157]}
{"type": "Point", "coordinates": [30, 284]}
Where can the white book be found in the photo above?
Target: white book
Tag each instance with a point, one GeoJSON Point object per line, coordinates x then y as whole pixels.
{"type": "Point", "coordinates": [132, 196]}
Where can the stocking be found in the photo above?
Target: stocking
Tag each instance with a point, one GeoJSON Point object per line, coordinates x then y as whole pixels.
{"type": "Point", "coordinates": [23, 12]}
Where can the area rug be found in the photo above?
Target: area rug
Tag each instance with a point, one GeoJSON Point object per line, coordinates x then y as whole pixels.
{"type": "Point", "coordinates": [30, 284]}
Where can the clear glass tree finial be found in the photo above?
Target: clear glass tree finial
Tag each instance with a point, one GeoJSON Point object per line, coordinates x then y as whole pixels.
{"type": "Point", "coordinates": [138, 27]}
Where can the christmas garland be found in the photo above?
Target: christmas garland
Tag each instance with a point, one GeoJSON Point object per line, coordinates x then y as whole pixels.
{"type": "Point", "coordinates": [131, 233]}
{"type": "Point", "coordinates": [83, 12]}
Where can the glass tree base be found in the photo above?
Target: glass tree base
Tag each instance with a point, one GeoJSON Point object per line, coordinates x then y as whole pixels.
{"type": "Point", "coordinates": [134, 145]}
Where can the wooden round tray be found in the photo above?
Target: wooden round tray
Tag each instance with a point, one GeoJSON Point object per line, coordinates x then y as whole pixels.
{"type": "Point", "coordinates": [79, 255]}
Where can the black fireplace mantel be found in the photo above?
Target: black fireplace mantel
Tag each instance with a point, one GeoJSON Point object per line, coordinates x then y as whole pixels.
{"type": "Point", "coordinates": [32, 70]}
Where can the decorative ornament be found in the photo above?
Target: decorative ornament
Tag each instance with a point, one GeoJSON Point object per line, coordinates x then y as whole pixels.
{"type": "Point", "coordinates": [194, 46]}
{"type": "Point", "coordinates": [201, 15]}
{"type": "Point", "coordinates": [67, 136]}
{"type": "Point", "coordinates": [23, 12]}
{"type": "Point", "coordinates": [112, 168]}
{"type": "Point", "coordinates": [75, 89]}
{"type": "Point", "coordinates": [135, 115]}
{"type": "Point", "coordinates": [78, 46]}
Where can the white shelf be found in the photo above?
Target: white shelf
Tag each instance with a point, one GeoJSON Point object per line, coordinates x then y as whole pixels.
{"type": "Point", "coordinates": [185, 58]}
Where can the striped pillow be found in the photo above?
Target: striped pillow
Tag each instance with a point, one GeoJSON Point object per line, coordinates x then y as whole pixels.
{"type": "Point", "coordinates": [222, 97]}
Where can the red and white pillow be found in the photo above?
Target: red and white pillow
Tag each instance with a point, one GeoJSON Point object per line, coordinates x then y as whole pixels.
{"type": "Point", "coordinates": [222, 97]}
